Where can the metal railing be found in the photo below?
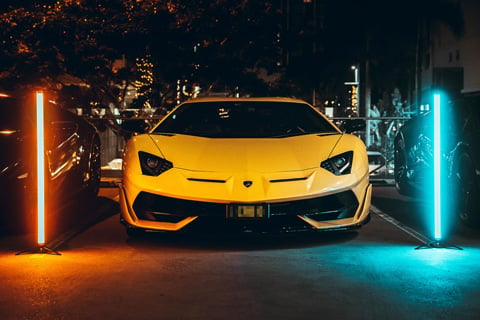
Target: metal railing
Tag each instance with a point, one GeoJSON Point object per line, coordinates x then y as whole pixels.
{"type": "Point", "coordinates": [379, 137]}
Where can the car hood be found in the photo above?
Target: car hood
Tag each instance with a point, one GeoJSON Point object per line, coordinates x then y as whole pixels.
{"type": "Point", "coordinates": [239, 155]}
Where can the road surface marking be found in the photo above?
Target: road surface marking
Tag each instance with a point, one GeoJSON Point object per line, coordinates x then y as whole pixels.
{"type": "Point", "coordinates": [415, 234]}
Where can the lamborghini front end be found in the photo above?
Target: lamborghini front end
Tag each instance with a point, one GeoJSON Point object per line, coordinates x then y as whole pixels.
{"type": "Point", "coordinates": [311, 180]}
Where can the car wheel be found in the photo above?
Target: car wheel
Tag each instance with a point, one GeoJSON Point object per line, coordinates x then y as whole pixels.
{"type": "Point", "coordinates": [400, 171]}
{"type": "Point", "coordinates": [466, 190]}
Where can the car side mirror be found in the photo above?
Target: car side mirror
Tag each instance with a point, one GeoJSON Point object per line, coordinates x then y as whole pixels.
{"type": "Point", "coordinates": [353, 125]}
{"type": "Point", "coordinates": [135, 126]}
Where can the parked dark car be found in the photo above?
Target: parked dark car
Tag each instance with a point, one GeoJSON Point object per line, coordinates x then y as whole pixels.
{"type": "Point", "coordinates": [460, 157]}
{"type": "Point", "coordinates": [72, 158]}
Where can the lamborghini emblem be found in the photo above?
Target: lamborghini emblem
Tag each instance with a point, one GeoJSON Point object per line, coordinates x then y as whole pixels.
{"type": "Point", "coordinates": [247, 183]}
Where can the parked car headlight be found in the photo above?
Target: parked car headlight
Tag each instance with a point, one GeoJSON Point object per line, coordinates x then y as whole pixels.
{"type": "Point", "coordinates": [339, 164]}
{"type": "Point", "coordinates": [152, 165]}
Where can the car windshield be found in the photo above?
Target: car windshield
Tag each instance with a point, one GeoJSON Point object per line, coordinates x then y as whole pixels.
{"type": "Point", "coordinates": [245, 119]}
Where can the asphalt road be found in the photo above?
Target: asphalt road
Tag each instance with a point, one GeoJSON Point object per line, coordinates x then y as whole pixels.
{"type": "Point", "coordinates": [375, 273]}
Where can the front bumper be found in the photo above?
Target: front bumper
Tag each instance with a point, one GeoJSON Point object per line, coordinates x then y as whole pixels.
{"type": "Point", "coordinates": [341, 210]}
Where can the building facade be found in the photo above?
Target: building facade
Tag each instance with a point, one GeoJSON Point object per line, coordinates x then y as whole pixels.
{"type": "Point", "coordinates": [447, 61]}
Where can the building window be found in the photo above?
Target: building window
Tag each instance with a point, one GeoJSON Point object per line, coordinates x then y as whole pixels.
{"type": "Point", "coordinates": [450, 57]}
{"type": "Point", "coordinates": [457, 55]}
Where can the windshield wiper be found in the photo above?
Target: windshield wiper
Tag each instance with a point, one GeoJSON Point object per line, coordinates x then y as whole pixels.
{"type": "Point", "coordinates": [292, 134]}
{"type": "Point", "coordinates": [297, 133]}
{"type": "Point", "coordinates": [331, 133]}
{"type": "Point", "coordinates": [168, 134]}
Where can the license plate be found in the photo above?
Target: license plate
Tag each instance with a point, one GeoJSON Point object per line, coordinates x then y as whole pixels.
{"type": "Point", "coordinates": [248, 211]}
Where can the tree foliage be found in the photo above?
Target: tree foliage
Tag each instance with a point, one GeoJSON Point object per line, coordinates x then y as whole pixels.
{"type": "Point", "coordinates": [69, 41]}
{"type": "Point", "coordinates": [60, 43]}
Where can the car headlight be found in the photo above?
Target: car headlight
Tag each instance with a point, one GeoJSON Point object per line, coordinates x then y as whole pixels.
{"type": "Point", "coordinates": [153, 165]}
{"type": "Point", "coordinates": [339, 164]}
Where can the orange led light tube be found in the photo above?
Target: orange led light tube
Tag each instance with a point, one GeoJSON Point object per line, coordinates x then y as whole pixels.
{"type": "Point", "coordinates": [40, 171]}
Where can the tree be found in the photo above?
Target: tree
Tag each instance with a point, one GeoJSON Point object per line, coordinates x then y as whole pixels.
{"type": "Point", "coordinates": [49, 42]}
{"type": "Point", "coordinates": [219, 43]}
{"type": "Point", "coordinates": [77, 41]}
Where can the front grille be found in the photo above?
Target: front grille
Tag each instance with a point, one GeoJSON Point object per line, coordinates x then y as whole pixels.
{"type": "Point", "coordinates": [148, 206]}
{"type": "Point", "coordinates": [276, 224]}
{"type": "Point", "coordinates": [335, 206]}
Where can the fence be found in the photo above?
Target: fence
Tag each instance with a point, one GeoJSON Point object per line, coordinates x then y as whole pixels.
{"type": "Point", "coordinates": [379, 137]}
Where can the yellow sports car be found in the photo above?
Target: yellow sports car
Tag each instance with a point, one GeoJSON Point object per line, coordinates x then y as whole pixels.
{"type": "Point", "coordinates": [266, 164]}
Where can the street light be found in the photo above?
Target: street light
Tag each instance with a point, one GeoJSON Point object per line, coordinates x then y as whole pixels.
{"type": "Point", "coordinates": [355, 69]}
{"type": "Point", "coordinates": [355, 89]}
